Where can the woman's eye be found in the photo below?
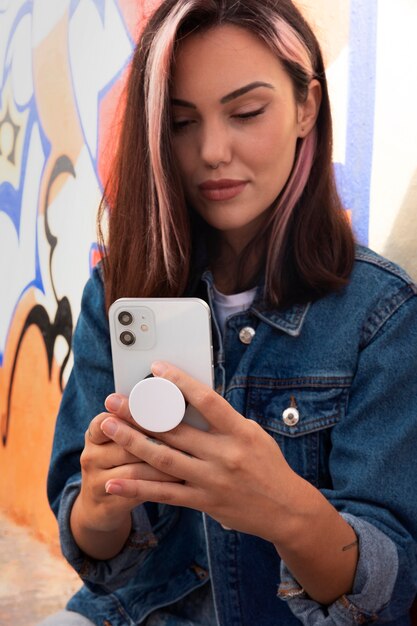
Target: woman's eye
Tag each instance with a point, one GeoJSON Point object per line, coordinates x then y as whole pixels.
{"type": "Point", "coordinates": [179, 125]}
{"type": "Point", "coordinates": [249, 114]}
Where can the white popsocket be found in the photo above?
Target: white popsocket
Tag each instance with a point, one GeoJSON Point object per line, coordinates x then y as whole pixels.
{"type": "Point", "coordinates": [156, 404]}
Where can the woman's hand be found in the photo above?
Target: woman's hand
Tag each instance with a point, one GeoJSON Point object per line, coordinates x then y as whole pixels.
{"type": "Point", "coordinates": [101, 524]}
{"type": "Point", "coordinates": [101, 459]}
{"type": "Point", "coordinates": [235, 472]}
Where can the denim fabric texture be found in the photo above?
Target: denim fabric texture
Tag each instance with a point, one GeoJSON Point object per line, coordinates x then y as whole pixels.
{"type": "Point", "coordinates": [348, 361]}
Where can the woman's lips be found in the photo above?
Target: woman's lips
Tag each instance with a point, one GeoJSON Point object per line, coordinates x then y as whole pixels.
{"type": "Point", "coordinates": [221, 189]}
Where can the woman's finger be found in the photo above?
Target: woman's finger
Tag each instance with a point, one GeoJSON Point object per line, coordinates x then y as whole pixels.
{"type": "Point", "coordinates": [153, 491]}
{"type": "Point", "coordinates": [94, 433]}
{"type": "Point", "coordinates": [107, 456]}
{"type": "Point", "coordinates": [188, 439]}
{"type": "Point", "coordinates": [119, 405]}
{"type": "Point", "coordinates": [217, 411]}
{"type": "Point", "coordinates": [139, 471]}
{"type": "Point", "coordinates": [160, 456]}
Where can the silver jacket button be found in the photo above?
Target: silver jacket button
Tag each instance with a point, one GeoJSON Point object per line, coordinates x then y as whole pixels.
{"type": "Point", "coordinates": [291, 416]}
{"type": "Point", "coordinates": [246, 335]}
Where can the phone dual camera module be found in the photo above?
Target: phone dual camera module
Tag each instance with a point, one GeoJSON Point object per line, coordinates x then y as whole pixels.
{"type": "Point", "coordinates": [126, 337]}
{"type": "Point", "coordinates": [136, 325]}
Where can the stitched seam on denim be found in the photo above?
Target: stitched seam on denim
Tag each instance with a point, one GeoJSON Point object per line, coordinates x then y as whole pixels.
{"type": "Point", "coordinates": [237, 540]}
{"type": "Point", "coordinates": [84, 569]}
{"type": "Point", "coordinates": [160, 591]}
{"type": "Point", "coordinates": [290, 591]}
{"type": "Point", "coordinates": [288, 317]}
{"type": "Point", "coordinates": [308, 428]}
{"type": "Point", "coordinates": [142, 541]}
{"type": "Point", "coordinates": [241, 382]}
{"type": "Point", "coordinates": [360, 617]}
{"type": "Point", "coordinates": [292, 594]}
{"type": "Point", "coordinates": [292, 325]}
{"type": "Point", "coordinates": [121, 610]}
{"type": "Point", "coordinates": [383, 313]}
{"type": "Point", "coordinates": [385, 264]}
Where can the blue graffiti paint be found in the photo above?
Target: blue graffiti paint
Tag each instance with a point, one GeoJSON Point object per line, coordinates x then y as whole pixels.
{"type": "Point", "coordinates": [354, 178]}
{"type": "Point", "coordinates": [101, 9]}
{"type": "Point", "coordinates": [11, 198]}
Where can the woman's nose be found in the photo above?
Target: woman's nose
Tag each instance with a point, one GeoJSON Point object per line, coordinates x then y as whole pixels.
{"type": "Point", "coordinates": [216, 145]}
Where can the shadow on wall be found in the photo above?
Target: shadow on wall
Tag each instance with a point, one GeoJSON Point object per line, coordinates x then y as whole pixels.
{"type": "Point", "coordinates": [401, 245]}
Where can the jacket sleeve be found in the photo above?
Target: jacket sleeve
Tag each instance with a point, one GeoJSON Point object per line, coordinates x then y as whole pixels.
{"type": "Point", "coordinates": [90, 382]}
{"type": "Point", "coordinates": [372, 464]}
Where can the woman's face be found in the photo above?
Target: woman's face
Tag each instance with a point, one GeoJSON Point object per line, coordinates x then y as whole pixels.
{"type": "Point", "coordinates": [236, 124]}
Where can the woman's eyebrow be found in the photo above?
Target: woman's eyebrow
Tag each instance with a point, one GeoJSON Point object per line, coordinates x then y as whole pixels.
{"type": "Point", "coordinates": [182, 103]}
{"type": "Point", "coordinates": [240, 92]}
{"type": "Point", "coordinates": [229, 97]}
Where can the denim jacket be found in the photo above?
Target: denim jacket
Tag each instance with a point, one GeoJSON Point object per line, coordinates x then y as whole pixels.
{"type": "Point", "coordinates": [348, 364]}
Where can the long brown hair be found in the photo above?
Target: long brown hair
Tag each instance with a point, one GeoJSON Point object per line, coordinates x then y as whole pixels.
{"type": "Point", "coordinates": [307, 244]}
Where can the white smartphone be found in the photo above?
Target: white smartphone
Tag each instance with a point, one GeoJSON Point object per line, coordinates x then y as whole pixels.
{"type": "Point", "coordinates": [177, 330]}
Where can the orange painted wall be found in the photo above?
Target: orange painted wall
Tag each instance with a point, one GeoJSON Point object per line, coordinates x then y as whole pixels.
{"type": "Point", "coordinates": [51, 177]}
{"type": "Point", "coordinates": [34, 400]}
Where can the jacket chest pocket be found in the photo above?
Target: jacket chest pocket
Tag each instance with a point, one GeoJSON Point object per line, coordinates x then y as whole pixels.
{"type": "Point", "coordinates": [300, 416]}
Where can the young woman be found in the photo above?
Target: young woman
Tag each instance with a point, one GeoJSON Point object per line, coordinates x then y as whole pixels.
{"type": "Point", "coordinates": [296, 506]}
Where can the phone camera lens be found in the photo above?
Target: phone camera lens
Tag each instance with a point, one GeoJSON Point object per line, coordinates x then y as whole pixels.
{"type": "Point", "coordinates": [127, 338]}
{"type": "Point", "coordinates": [125, 318]}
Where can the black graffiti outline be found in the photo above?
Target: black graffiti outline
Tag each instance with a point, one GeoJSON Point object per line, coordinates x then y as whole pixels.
{"type": "Point", "coordinates": [7, 119]}
{"type": "Point", "coordinates": [62, 326]}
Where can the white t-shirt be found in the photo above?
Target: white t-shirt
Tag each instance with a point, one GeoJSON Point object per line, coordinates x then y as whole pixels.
{"type": "Point", "coordinates": [224, 305]}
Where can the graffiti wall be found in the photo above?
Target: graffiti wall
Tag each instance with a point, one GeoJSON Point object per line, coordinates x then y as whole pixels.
{"type": "Point", "coordinates": [61, 74]}
{"type": "Point", "coordinates": [63, 64]}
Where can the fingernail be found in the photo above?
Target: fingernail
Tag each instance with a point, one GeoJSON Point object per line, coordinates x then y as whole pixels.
{"type": "Point", "coordinates": [113, 488]}
{"type": "Point", "coordinates": [113, 402]}
{"type": "Point", "coordinates": [109, 427]}
{"type": "Point", "coordinates": [159, 368]}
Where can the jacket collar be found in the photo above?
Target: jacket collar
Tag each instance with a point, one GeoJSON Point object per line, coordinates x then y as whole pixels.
{"type": "Point", "coordinates": [288, 320]}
